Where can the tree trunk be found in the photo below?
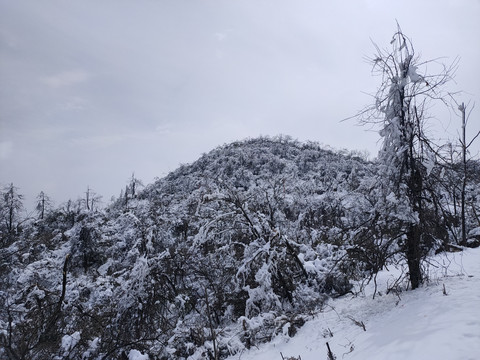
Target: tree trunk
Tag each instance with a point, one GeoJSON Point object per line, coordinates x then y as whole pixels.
{"type": "Point", "coordinates": [413, 255]}
{"type": "Point", "coordinates": [464, 180]}
{"type": "Point", "coordinates": [415, 231]}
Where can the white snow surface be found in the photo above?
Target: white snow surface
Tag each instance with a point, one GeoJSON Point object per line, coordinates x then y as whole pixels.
{"type": "Point", "coordinates": [69, 341]}
{"type": "Point", "coordinates": [420, 324]}
{"type": "Point", "coordinates": [137, 355]}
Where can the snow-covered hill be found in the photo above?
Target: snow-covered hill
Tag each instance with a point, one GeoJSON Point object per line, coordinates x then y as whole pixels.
{"type": "Point", "coordinates": [441, 320]}
{"type": "Point", "coordinates": [237, 250]}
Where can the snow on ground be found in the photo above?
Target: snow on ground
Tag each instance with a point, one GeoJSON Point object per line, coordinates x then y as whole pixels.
{"type": "Point", "coordinates": [421, 324]}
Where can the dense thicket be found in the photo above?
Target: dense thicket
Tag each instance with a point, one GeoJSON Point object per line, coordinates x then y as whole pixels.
{"type": "Point", "coordinates": [242, 245]}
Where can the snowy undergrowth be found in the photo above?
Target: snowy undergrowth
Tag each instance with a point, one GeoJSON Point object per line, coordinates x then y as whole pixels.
{"type": "Point", "coordinates": [437, 321]}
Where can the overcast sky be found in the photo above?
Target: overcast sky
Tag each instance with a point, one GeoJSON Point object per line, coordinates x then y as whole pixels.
{"type": "Point", "coordinates": [91, 91]}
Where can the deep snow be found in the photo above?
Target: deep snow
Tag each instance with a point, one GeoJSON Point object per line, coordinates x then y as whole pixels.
{"type": "Point", "coordinates": [420, 324]}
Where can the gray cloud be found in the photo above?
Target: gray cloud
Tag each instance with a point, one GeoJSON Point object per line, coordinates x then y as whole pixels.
{"type": "Point", "coordinates": [91, 91]}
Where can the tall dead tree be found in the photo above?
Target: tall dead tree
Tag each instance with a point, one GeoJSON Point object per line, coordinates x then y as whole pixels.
{"type": "Point", "coordinates": [464, 146]}
{"type": "Point", "coordinates": [407, 154]}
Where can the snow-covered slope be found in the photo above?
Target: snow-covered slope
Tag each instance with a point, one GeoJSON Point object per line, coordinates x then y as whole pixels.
{"type": "Point", "coordinates": [231, 252]}
{"type": "Point", "coordinates": [420, 324]}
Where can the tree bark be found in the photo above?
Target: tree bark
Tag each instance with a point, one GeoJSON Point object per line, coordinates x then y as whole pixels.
{"type": "Point", "coordinates": [413, 256]}
{"type": "Point", "coordinates": [464, 180]}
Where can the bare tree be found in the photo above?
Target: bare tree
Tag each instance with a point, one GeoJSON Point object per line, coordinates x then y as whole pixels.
{"type": "Point", "coordinates": [43, 204]}
{"type": "Point", "coordinates": [465, 149]}
{"type": "Point", "coordinates": [134, 185]}
{"type": "Point", "coordinates": [131, 190]}
{"type": "Point", "coordinates": [87, 197]}
{"type": "Point", "coordinates": [10, 206]}
{"type": "Point", "coordinates": [91, 199]}
{"type": "Point", "coordinates": [407, 155]}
